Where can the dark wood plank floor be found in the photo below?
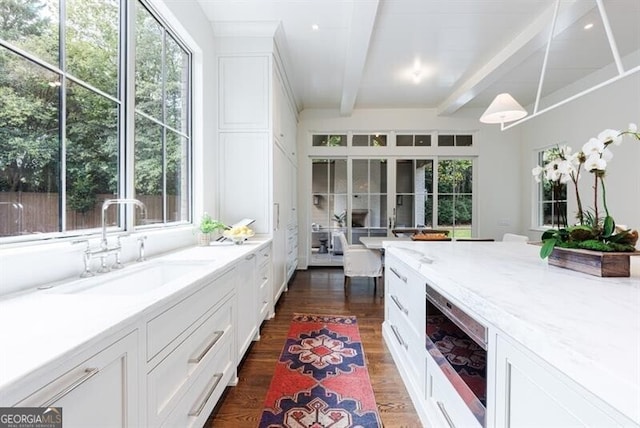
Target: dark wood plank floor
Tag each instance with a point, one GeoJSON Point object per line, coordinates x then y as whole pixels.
{"type": "Point", "coordinates": [317, 290]}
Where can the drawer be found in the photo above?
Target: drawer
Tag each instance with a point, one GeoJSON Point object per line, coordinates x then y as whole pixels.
{"type": "Point", "coordinates": [264, 299]}
{"type": "Point", "coordinates": [168, 325]}
{"type": "Point", "coordinates": [169, 379]}
{"type": "Point", "coordinates": [411, 345]}
{"type": "Point", "coordinates": [264, 272]}
{"type": "Point", "coordinates": [264, 255]}
{"type": "Point", "coordinates": [445, 402]}
{"type": "Point", "coordinates": [408, 296]}
{"type": "Point", "coordinates": [201, 397]}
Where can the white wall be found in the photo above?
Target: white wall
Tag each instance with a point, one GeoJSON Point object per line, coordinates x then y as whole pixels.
{"type": "Point", "coordinates": [614, 106]}
{"type": "Point", "coordinates": [498, 167]}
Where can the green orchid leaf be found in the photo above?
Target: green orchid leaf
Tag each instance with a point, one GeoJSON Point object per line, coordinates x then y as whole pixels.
{"type": "Point", "coordinates": [547, 248]}
{"type": "Point", "coordinates": [608, 226]}
{"type": "Point", "coordinates": [548, 234]}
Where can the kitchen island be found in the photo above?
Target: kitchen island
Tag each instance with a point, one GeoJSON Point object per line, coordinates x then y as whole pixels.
{"type": "Point", "coordinates": [561, 347]}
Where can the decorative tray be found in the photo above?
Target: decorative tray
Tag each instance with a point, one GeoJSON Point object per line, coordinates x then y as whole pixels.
{"type": "Point", "coordinates": [430, 237]}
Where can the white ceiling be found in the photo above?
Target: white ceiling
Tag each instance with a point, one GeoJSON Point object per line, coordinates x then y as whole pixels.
{"type": "Point", "coordinates": [441, 54]}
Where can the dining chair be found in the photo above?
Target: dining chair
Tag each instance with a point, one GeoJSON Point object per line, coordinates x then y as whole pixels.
{"type": "Point", "coordinates": [359, 261]}
{"type": "Point", "coordinates": [512, 237]}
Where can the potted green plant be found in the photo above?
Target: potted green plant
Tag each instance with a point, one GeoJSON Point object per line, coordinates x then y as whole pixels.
{"type": "Point", "coordinates": [208, 226]}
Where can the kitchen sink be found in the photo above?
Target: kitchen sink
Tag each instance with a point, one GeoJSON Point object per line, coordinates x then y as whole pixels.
{"type": "Point", "coordinates": [132, 280]}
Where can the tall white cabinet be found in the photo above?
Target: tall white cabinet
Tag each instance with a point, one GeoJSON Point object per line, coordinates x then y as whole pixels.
{"type": "Point", "coordinates": [257, 143]}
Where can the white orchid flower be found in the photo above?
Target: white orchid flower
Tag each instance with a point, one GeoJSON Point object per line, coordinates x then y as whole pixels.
{"type": "Point", "coordinates": [610, 135]}
{"type": "Point", "coordinates": [565, 167]}
{"type": "Point", "coordinates": [595, 163]}
{"type": "Point", "coordinates": [537, 172]}
{"type": "Point", "coordinates": [575, 158]}
{"type": "Point", "coordinates": [633, 128]}
{"type": "Point", "coordinates": [606, 154]}
{"type": "Point", "coordinates": [593, 146]}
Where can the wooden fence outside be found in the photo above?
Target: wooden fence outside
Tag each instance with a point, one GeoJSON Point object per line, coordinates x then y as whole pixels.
{"type": "Point", "coordinates": [23, 213]}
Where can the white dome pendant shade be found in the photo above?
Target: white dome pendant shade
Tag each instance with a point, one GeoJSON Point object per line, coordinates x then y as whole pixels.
{"type": "Point", "coordinates": [503, 109]}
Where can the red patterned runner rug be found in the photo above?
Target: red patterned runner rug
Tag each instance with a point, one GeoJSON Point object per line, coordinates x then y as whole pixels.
{"type": "Point", "coordinates": [321, 380]}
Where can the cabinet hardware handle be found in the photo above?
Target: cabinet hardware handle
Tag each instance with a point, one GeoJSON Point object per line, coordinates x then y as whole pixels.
{"type": "Point", "coordinates": [399, 305]}
{"type": "Point", "coordinates": [445, 414]}
{"type": "Point", "coordinates": [216, 336]}
{"type": "Point", "coordinates": [88, 374]}
{"type": "Point", "coordinates": [402, 277]}
{"type": "Point", "coordinates": [398, 337]}
{"type": "Point", "coordinates": [249, 257]}
{"type": "Point", "coordinates": [198, 409]}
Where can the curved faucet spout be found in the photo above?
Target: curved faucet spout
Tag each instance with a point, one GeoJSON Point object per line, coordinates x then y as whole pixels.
{"type": "Point", "coordinates": [120, 201]}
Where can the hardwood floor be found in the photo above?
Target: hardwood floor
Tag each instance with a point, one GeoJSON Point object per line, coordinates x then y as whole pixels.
{"type": "Point", "coordinates": [318, 290]}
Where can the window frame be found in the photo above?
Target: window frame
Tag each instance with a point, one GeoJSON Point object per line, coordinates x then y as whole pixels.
{"type": "Point", "coordinates": [537, 215]}
{"type": "Point", "coordinates": [125, 100]}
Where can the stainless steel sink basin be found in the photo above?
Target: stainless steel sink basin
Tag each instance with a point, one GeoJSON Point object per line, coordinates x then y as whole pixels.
{"type": "Point", "coordinates": [132, 280]}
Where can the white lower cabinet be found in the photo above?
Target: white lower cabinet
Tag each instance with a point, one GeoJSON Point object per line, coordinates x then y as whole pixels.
{"type": "Point", "coordinates": [247, 304]}
{"type": "Point", "coordinates": [265, 302]}
{"type": "Point", "coordinates": [99, 392]}
{"type": "Point", "coordinates": [209, 382]}
{"type": "Point", "coordinates": [205, 353]}
{"type": "Point", "coordinates": [169, 365]}
{"type": "Point", "coordinates": [530, 393]}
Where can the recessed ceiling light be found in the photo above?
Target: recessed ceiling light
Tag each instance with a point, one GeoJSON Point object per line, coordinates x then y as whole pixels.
{"type": "Point", "coordinates": [589, 26]}
{"type": "Point", "coordinates": [315, 27]}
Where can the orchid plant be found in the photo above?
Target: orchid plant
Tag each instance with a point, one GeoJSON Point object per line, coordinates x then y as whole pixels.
{"type": "Point", "coordinates": [591, 231]}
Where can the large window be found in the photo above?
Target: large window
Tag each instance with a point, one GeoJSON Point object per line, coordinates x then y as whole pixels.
{"type": "Point", "coordinates": [63, 116]}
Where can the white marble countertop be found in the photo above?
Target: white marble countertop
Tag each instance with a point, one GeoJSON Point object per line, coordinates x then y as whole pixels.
{"type": "Point", "coordinates": [39, 327]}
{"type": "Point", "coordinates": [585, 326]}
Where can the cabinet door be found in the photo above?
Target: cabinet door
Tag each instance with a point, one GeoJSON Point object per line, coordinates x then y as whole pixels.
{"type": "Point", "coordinates": [530, 393]}
{"type": "Point", "coordinates": [100, 392]}
{"type": "Point", "coordinates": [244, 92]}
{"type": "Point", "coordinates": [244, 170]}
{"type": "Point", "coordinates": [247, 307]}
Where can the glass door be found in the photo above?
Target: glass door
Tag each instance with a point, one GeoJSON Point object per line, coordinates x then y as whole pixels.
{"type": "Point", "coordinates": [368, 210]}
{"type": "Point", "coordinates": [413, 194]}
{"type": "Point", "coordinates": [328, 209]}
{"type": "Point", "coordinates": [455, 196]}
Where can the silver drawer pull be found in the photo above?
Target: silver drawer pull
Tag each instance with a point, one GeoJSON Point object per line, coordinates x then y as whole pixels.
{"type": "Point", "coordinates": [399, 305]}
{"type": "Point", "coordinates": [250, 256]}
{"type": "Point", "coordinates": [398, 337]}
{"type": "Point", "coordinates": [402, 277]}
{"type": "Point", "coordinates": [216, 336]}
{"type": "Point", "coordinates": [88, 374]}
{"type": "Point", "coordinates": [205, 397]}
{"type": "Point", "coordinates": [445, 414]}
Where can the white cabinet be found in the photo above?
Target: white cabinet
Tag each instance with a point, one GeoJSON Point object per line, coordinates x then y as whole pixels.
{"type": "Point", "coordinates": [531, 393]}
{"type": "Point", "coordinates": [247, 304]}
{"type": "Point", "coordinates": [244, 92]}
{"type": "Point", "coordinates": [101, 391]}
{"type": "Point", "coordinates": [292, 249]}
{"type": "Point", "coordinates": [244, 169]}
{"type": "Point", "coordinates": [188, 343]}
{"type": "Point", "coordinates": [265, 297]}
{"type": "Point", "coordinates": [257, 158]}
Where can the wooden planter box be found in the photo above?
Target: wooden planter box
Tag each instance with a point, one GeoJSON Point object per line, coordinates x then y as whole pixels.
{"type": "Point", "coordinates": [598, 263]}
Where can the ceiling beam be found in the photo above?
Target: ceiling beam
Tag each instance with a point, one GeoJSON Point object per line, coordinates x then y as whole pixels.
{"type": "Point", "coordinates": [363, 19]}
{"type": "Point", "coordinates": [532, 38]}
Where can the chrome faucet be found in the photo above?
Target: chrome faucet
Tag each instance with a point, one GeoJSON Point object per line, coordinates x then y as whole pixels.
{"type": "Point", "coordinates": [106, 204]}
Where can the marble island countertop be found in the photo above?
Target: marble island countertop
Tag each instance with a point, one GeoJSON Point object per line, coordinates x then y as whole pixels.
{"type": "Point", "coordinates": [585, 326]}
{"type": "Point", "coordinates": [42, 326]}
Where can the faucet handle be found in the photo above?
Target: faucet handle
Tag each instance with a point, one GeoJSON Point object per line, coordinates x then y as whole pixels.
{"type": "Point", "coordinates": [141, 248]}
{"type": "Point", "coordinates": [82, 241]}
